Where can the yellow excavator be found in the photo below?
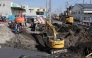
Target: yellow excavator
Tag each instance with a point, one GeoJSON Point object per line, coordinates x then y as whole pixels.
{"type": "Point", "coordinates": [57, 17]}
{"type": "Point", "coordinates": [54, 41]}
{"type": "Point", "coordinates": [67, 17]}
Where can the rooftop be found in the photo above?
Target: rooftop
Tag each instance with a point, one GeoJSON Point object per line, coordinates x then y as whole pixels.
{"type": "Point", "coordinates": [89, 6]}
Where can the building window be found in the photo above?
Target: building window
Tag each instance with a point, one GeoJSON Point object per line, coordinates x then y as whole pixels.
{"type": "Point", "coordinates": [39, 13]}
{"type": "Point", "coordinates": [37, 9]}
{"type": "Point", "coordinates": [43, 9]}
{"type": "Point", "coordinates": [22, 6]}
{"type": "Point", "coordinates": [3, 4]}
{"type": "Point", "coordinates": [31, 11]}
{"type": "Point", "coordinates": [79, 12]}
{"type": "Point", "coordinates": [74, 12]}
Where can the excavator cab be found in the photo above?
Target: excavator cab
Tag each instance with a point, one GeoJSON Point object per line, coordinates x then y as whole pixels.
{"type": "Point", "coordinates": [67, 17]}
{"type": "Point", "coordinates": [55, 44]}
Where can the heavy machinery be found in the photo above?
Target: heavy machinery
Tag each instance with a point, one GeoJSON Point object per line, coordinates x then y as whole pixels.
{"type": "Point", "coordinates": [67, 17]}
{"type": "Point", "coordinates": [18, 24]}
{"type": "Point", "coordinates": [53, 40]}
{"type": "Point", "coordinates": [57, 17]}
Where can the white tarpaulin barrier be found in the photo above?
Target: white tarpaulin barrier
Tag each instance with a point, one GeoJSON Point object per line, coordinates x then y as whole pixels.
{"type": "Point", "coordinates": [39, 20]}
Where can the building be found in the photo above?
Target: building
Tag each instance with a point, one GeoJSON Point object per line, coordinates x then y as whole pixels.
{"type": "Point", "coordinates": [8, 8]}
{"type": "Point", "coordinates": [36, 11]}
{"type": "Point", "coordinates": [82, 12]}
{"type": "Point", "coordinates": [41, 12]}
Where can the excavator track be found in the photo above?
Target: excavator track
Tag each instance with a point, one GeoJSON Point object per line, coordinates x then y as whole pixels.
{"type": "Point", "coordinates": [54, 51]}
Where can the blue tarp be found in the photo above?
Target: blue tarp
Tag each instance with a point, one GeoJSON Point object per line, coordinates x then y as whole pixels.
{"type": "Point", "coordinates": [11, 17]}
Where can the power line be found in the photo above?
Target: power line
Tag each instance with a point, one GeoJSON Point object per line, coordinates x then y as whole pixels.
{"type": "Point", "coordinates": [70, 1]}
{"type": "Point", "coordinates": [75, 2]}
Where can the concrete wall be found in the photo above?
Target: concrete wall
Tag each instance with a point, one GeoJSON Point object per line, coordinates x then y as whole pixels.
{"type": "Point", "coordinates": [5, 9]}
{"type": "Point", "coordinates": [29, 12]}
{"type": "Point", "coordinates": [77, 12]}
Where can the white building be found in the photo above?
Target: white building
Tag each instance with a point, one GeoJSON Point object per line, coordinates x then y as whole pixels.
{"type": "Point", "coordinates": [82, 12]}
{"type": "Point", "coordinates": [7, 8]}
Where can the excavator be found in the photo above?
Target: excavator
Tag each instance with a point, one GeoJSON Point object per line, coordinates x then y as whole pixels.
{"type": "Point", "coordinates": [53, 40]}
{"type": "Point", "coordinates": [16, 25]}
{"type": "Point", "coordinates": [57, 17]}
{"type": "Point", "coordinates": [67, 17]}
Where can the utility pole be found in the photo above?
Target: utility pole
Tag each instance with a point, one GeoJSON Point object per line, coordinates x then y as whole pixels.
{"type": "Point", "coordinates": [83, 1]}
{"type": "Point", "coordinates": [90, 1]}
{"type": "Point", "coordinates": [46, 8]}
{"type": "Point", "coordinates": [83, 13]}
{"type": "Point", "coordinates": [50, 9]}
{"type": "Point", "coordinates": [66, 12]}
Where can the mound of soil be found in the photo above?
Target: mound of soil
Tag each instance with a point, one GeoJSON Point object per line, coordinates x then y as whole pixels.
{"type": "Point", "coordinates": [21, 42]}
{"type": "Point", "coordinates": [75, 36]}
{"type": "Point", "coordinates": [5, 34]}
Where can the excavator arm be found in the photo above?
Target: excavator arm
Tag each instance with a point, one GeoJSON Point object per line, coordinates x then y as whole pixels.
{"type": "Point", "coordinates": [49, 25]}
{"type": "Point", "coordinates": [55, 42]}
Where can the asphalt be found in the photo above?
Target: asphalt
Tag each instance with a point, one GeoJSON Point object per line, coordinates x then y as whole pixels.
{"type": "Point", "coordinates": [16, 53]}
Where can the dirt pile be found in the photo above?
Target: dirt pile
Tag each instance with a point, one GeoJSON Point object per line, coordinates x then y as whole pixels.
{"type": "Point", "coordinates": [21, 42]}
{"type": "Point", "coordinates": [74, 34]}
{"type": "Point", "coordinates": [5, 34]}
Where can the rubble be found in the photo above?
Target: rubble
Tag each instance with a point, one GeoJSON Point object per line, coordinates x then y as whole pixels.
{"type": "Point", "coordinates": [75, 36]}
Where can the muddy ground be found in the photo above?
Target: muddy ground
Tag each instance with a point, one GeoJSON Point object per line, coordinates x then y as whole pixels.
{"type": "Point", "coordinates": [76, 37]}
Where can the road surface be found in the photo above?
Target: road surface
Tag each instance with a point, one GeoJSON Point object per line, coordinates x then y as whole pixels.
{"type": "Point", "coordinates": [16, 53]}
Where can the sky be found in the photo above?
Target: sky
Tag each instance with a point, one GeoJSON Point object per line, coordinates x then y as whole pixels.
{"type": "Point", "coordinates": [57, 5]}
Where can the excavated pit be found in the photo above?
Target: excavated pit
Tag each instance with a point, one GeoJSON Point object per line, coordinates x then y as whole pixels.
{"type": "Point", "coordinates": [76, 37]}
